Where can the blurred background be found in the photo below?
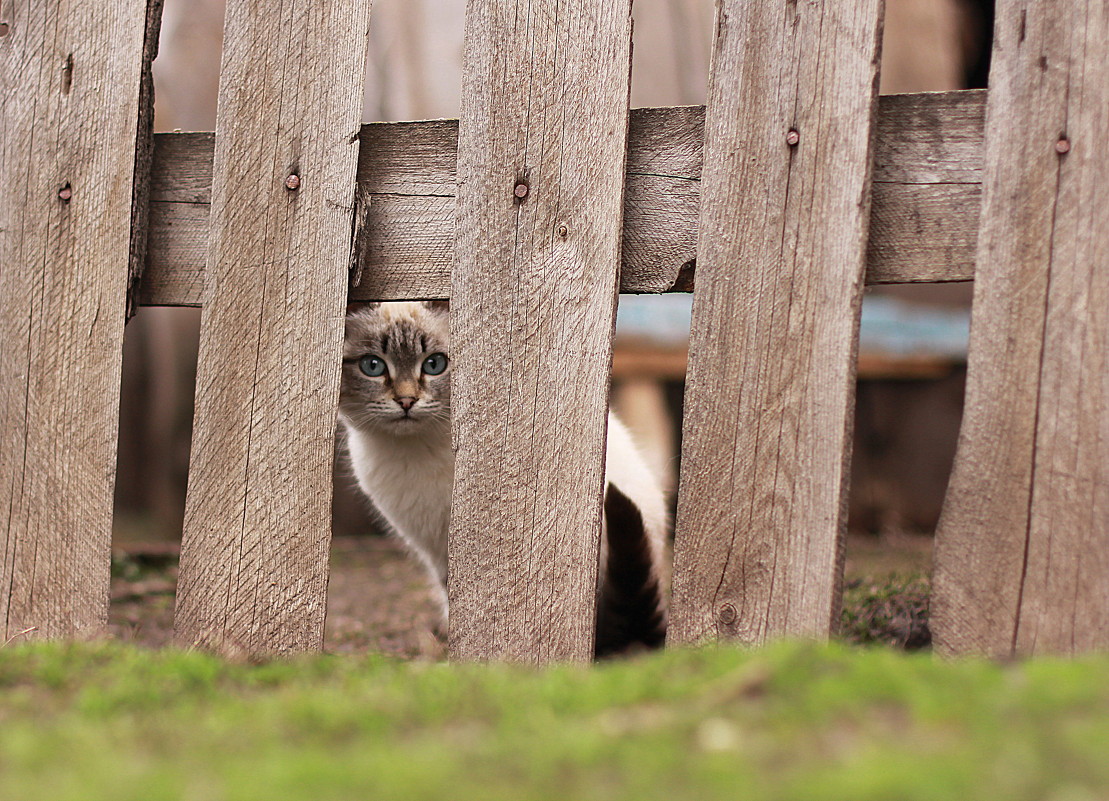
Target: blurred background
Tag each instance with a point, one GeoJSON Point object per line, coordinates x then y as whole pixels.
{"type": "Point", "coordinates": [913, 338]}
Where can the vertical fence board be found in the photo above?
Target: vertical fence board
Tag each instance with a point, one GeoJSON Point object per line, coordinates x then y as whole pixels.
{"type": "Point", "coordinates": [1022, 560]}
{"type": "Point", "coordinates": [70, 78]}
{"type": "Point", "coordinates": [257, 519]}
{"type": "Point", "coordinates": [772, 350]}
{"type": "Point", "coordinates": [544, 106]}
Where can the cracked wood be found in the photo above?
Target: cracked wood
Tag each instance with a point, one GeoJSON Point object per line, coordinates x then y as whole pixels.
{"type": "Point", "coordinates": [1022, 550]}
{"type": "Point", "coordinates": [770, 389]}
{"type": "Point", "coordinates": [924, 219]}
{"type": "Point", "coordinates": [541, 162]}
{"type": "Point", "coordinates": [257, 516]}
{"type": "Point", "coordinates": [69, 177]}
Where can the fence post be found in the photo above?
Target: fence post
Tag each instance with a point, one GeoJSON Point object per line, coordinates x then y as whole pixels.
{"type": "Point", "coordinates": [1022, 551]}
{"type": "Point", "coordinates": [71, 78]}
{"type": "Point", "coordinates": [257, 517]}
{"type": "Point", "coordinates": [541, 153]}
{"type": "Point", "coordinates": [785, 197]}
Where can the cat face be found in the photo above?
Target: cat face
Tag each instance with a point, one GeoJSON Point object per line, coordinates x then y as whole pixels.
{"type": "Point", "coordinates": [396, 369]}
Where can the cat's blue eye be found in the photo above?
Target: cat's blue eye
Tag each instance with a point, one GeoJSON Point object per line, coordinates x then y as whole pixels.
{"type": "Point", "coordinates": [435, 364]}
{"type": "Point", "coordinates": [373, 366]}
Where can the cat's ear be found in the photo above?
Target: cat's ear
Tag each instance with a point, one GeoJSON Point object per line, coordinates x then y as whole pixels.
{"type": "Point", "coordinates": [355, 322]}
{"type": "Point", "coordinates": [361, 305]}
{"type": "Point", "coordinates": [438, 305]}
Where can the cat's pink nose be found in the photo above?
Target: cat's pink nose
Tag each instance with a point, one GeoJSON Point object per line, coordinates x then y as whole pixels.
{"type": "Point", "coordinates": [406, 403]}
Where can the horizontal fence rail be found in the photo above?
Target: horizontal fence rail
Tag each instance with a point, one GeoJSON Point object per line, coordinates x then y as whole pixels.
{"type": "Point", "coordinates": [924, 217]}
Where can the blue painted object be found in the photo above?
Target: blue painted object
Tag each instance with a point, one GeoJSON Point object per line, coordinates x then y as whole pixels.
{"type": "Point", "coordinates": [888, 325]}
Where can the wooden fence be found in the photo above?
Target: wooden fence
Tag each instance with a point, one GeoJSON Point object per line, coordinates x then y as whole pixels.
{"type": "Point", "coordinates": [795, 187]}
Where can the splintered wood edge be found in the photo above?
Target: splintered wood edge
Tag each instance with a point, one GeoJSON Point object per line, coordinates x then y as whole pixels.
{"type": "Point", "coordinates": [924, 217]}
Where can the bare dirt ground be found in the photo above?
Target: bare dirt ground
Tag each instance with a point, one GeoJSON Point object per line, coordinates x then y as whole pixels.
{"type": "Point", "coordinates": [379, 600]}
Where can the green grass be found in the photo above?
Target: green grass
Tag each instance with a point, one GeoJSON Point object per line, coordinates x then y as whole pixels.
{"type": "Point", "coordinates": [889, 610]}
{"type": "Point", "coordinates": [792, 721]}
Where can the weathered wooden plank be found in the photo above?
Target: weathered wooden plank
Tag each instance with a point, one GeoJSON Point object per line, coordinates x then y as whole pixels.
{"type": "Point", "coordinates": [924, 221]}
{"type": "Point", "coordinates": [70, 86]}
{"type": "Point", "coordinates": [180, 202]}
{"type": "Point", "coordinates": [257, 516]}
{"type": "Point", "coordinates": [1021, 560]}
{"type": "Point", "coordinates": [541, 162]}
{"type": "Point", "coordinates": [781, 256]}
{"type": "Point", "coordinates": [927, 187]}
{"type": "Point", "coordinates": [922, 232]}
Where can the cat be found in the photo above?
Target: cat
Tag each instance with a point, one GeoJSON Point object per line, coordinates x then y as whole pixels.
{"type": "Point", "coordinates": [394, 406]}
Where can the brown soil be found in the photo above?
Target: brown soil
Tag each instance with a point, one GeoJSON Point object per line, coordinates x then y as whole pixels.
{"type": "Point", "coordinates": [379, 599]}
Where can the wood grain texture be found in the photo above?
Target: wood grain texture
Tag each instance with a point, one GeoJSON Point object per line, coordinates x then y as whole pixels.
{"type": "Point", "coordinates": [1022, 560]}
{"type": "Point", "coordinates": [770, 390]}
{"type": "Point", "coordinates": [533, 302]}
{"type": "Point", "coordinates": [927, 187]}
{"type": "Point", "coordinates": [180, 204]}
{"type": "Point", "coordinates": [70, 77]}
{"type": "Point", "coordinates": [257, 517]}
{"type": "Point", "coordinates": [924, 220]}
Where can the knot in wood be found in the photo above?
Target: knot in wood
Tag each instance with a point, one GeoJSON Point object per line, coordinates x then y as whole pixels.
{"type": "Point", "coordinates": [727, 614]}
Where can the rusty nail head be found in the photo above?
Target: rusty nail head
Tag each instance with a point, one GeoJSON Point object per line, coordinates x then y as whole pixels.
{"type": "Point", "coordinates": [293, 181]}
{"type": "Point", "coordinates": [1062, 146]}
{"type": "Point", "coordinates": [793, 137]}
{"type": "Point", "coordinates": [521, 190]}
{"type": "Point", "coordinates": [727, 614]}
{"type": "Point", "coordinates": [65, 193]}
{"type": "Point", "coordinates": [563, 230]}
{"type": "Point", "coordinates": [4, 29]}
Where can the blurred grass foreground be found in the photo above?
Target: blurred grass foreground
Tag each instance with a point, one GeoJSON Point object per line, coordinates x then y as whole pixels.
{"type": "Point", "coordinates": [791, 721]}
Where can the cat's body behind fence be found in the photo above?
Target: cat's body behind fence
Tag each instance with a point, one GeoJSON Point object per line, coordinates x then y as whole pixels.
{"type": "Point", "coordinates": [395, 409]}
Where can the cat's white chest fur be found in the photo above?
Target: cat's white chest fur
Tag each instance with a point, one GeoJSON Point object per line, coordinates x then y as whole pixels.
{"type": "Point", "coordinates": [409, 480]}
